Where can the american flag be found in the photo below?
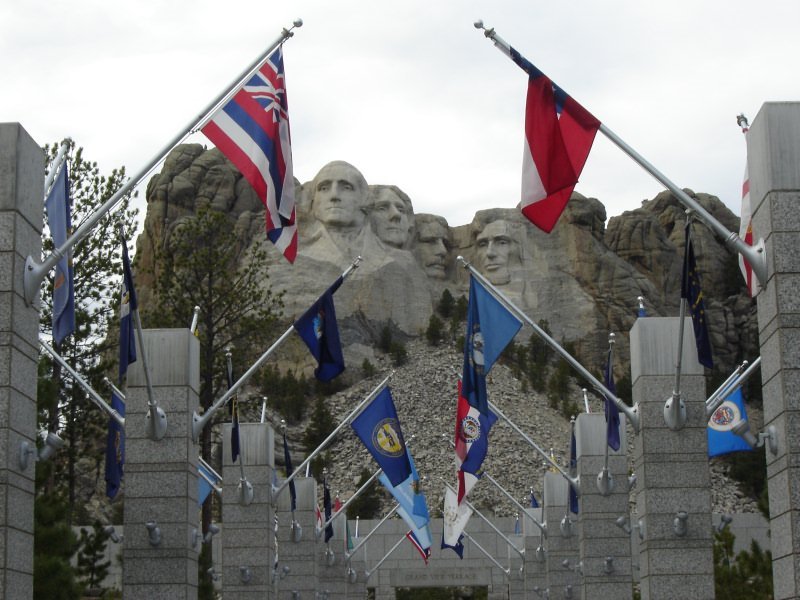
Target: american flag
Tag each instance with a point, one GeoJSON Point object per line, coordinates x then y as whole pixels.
{"type": "Point", "coordinates": [252, 131]}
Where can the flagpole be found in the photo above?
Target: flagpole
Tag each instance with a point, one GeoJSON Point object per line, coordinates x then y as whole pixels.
{"type": "Point", "coordinates": [674, 408]}
{"type": "Point", "coordinates": [229, 366]}
{"type": "Point", "coordinates": [631, 413]}
{"type": "Point", "coordinates": [541, 526]}
{"type": "Point", "coordinates": [712, 405]}
{"type": "Point", "coordinates": [56, 167]}
{"type": "Point", "coordinates": [489, 556]}
{"type": "Point", "coordinates": [486, 520]}
{"type": "Point", "coordinates": [605, 482]}
{"type": "Point", "coordinates": [573, 481]}
{"type": "Point", "coordinates": [114, 388]}
{"type": "Point", "coordinates": [213, 484]}
{"type": "Point", "coordinates": [199, 422]}
{"type": "Point", "coordinates": [755, 254]}
{"type": "Point", "coordinates": [724, 387]}
{"type": "Point", "coordinates": [93, 396]}
{"type": "Point", "coordinates": [326, 441]}
{"type": "Point", "coordinates": [363, 541]}
{"type": "Point", "coordinates": [35, 272]}
{"type": "Point", "coordinates": [385, 556]}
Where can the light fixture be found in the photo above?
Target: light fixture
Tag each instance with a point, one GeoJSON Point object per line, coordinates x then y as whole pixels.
{"type": "Point", "coordinates": [52, 444]}
{"type": "Point", "coordinates": [605, 482]}
{"type": "Point", "coordinates": [769, 437]}
{"type": "Point", "coordinates": [154, 533]}
{"type": "Point", "coordinates": [213, 529]}
{"type": "Point", "coordinates": [566, 527]}
{"type": "Point", "coordinates": [245, 492]}
{"type": "Point", "coordinates": [352, 575]}
{"type": "Point", "coordinates": [541, 553]}
{"type": "Point", "coordinates": [608, 565]}
{"type": "Point", "coordinates": [213, 574]}
{"type": "Point", "coordinates": [679, 525]}
{"type": "Point", "coordinates": [724, 521]}
{"type": "Point", "coordinates": [245, 574]}
{"type": "Point", "coordinates": [297, 531]}
{"type": "Point", "coordinates": [112, 534]}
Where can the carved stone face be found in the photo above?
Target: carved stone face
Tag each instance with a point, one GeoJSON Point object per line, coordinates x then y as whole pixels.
{"type": "Point", "coordinates": [433, 244]}
{"type": "Point", "coordinates": [391, 218]}
{"type": "Point", "coordinates": [340, 196]}
{"type": "Point", "coordinates": [495, 247]}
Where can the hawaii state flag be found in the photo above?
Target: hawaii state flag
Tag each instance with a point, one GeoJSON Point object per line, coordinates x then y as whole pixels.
{"type": "Point", "coordinates": [318, 329]}
{"type": "Point", "coordinates": [252, 131]}
{"type": "Point", "coordinates": [471, 443]}
{"type": "Point", "coordinates": [559, 134]}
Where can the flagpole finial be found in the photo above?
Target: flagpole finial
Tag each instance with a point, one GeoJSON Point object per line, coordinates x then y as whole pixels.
{"type": "Point", "coordinates": [283, 426]}
{"type": "Point", "coordinates": [612, 338]}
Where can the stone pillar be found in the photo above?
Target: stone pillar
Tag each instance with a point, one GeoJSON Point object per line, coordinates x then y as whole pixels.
{"type": "Point", "coordinates": [161, 476]}
{"type": "Point", "coordinates": [671, 466]}
{"type": "Point", "coordinates": [774, 167]}
{"type": "Point", "coordinates": [534, 575]}
{"type": "Point", "coordinates": [562, 581]}
{"type": "Point", "coordinates": [599, 537]}
{"type": "Point", "coordinates": [330, 562]}
{"type": "Point", "coordinates": [21, 209]}
{"type": "Point", "coordinates": [298, 556]}
{"type": "Point", "coordinates": [247, 530]}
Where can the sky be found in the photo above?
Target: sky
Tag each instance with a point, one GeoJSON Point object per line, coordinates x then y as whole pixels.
{"type": "Point", "coordinates": [410, 92]}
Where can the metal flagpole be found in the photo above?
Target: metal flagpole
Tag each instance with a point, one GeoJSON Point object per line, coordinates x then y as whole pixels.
{"type": "Point", "coordinates": [35, 272]}
{"type": "Point", "coordinates": [724, 387]}
{"type": "Point", "coordinates": [605, 483]}
{"type": "Point", "coordinates": [516, 502]}
{"type": "Point", "coordinates": [385, 556]}
{"type": "Point", "coordinates": [631, 413]}
{"type": "Point", "coordinates": [198, 422]}
{"type": "Point", "coordinates": [327, 440]}
{"type": "Point", "coordinates": [720, 396]}
{"type": "Point", "coordinates": [93, 396]}
{"type": "Point", "coordinates": [363, 541]}
{"type": "Point", "coordinates": [489, 556]}
{"type": "Point", "coordinates": [755, 254]}
{"type": "Point", "coordinates": [60, 159]}
{"type": "Point", "coordinates": [674, 408]}
{"type": "Point", "coordinates": [114, 388]}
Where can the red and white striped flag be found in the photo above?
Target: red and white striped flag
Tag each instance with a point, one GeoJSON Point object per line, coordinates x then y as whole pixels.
{"type": "Point", "coordinates": [746, 233]}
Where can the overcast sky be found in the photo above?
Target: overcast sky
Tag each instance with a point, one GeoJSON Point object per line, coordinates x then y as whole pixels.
{"type": "Point", "coordinates": [409, 91]}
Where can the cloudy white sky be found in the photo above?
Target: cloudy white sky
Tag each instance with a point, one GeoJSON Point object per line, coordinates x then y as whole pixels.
{"type": "Point", "coordinates": [409, 91]}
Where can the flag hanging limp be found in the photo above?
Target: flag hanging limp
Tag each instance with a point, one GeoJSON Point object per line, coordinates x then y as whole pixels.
{"type": "Point", "coordinates": [59, 219]}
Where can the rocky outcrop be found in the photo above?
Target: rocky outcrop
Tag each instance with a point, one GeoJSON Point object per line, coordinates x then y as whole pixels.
{"type": "Point", "coordinates": [583, 278]}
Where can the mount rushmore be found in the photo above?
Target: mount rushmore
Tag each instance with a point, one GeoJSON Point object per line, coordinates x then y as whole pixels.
{"type": "Point", "coordinates": [584, 278]}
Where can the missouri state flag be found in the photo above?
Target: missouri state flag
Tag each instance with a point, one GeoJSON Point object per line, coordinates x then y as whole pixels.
{"type": "Point", "coordinates": [252, 131]}
{"type": "Point", "coordinates": [318, 329]}
{"type": "Point", "coordinates": [559, 134]}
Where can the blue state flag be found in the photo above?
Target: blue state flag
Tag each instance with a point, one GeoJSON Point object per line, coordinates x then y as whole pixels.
{"type": "Point", "coordinates": [127, 327]}
{"type": "Point", "coordinates": [721, 438]}
{"type": "Point", "coordinates": [692, 292]}
{"type": "Point", "coordinates": [59, 220]}
{"type": "Point", "coordinates": [318, 329]}
{"type": "Point", "coordinates": [573, 466]}
{"type": "Point", "coordinates": [236, 443]}
{"type": "Point", "coordinates": [378, 427]}
{"type": "Point", "coordinates": [490, 327]}
{"type": "Point", "coordinates": [611, 409]}
{"type": "Point", "coordinates": [115, 449]}
{"type": "Point", "coordinates": [534, 502]}
{"type": "Point", "coordinates": [207, 481]}
{"type": "Point", "coordinates": [326, 506]}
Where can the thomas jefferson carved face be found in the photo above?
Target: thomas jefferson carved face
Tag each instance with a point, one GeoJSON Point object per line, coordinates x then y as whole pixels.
{"type": "Point", "coordinates": [391, 218]}
{"type": "Point", "coordinates": [433, 244]}
{"type": "Point", "coordinates": [495, 249]}
{"type": "Point", "coordinates": [339, 196]}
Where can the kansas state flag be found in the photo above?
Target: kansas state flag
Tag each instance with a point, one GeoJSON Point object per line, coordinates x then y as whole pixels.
{"type": "Point", "coordinates": [319, 331]}
{"type": "Point", "coordinates": [59, 220]}
{"type": "Point", "coordinates": [490, 327]}
{"type": "Point", "coordinates": [721, 439]}
{"type": "Point", "coordinates": [379, 429]}
{"type": "Point", "coordinates": [559, 134]}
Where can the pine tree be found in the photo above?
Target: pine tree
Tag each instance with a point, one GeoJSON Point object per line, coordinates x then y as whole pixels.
{"type": "Point", "coordinates": [92, 570]}
{"type": "Point", "coordinates": [53, 545]}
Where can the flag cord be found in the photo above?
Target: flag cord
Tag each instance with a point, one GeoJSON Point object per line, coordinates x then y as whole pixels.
{"type": "Point", "coordinates": [35, 272]}
{"type": "Point", "coordinates": [755, 254]}
{"type": "Point", "coordinates": [631, 413]}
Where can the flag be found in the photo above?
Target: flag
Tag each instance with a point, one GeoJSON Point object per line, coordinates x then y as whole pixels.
{"type": "Point", "coordinates": [252, 131]}
{"type": "Point", "coordinates": [115, 449]}
{"type": "Point", "coordinates": [423, 547]}
{"type": "Point", "coordinates": [611, 409]}
{"type": "Point", "coordinates": [471, 443]}
{"type": "Point", "coordinates": [490, 327]}
{"type": "Point", "coordinates": [378, 427]}
{"type": "Point", "coordinates": [236, 441]}
{"type": "Point", "coordinates": [746, 233]}
{"type": "Point", "coordinates": [317, 326]}
{"type": "Point", "coordinates": [413, 507]}
{"type": "Point", "coordinates": [517, 526]}
{"type": "Point", "coordinates": [287, 459]}
{"type": "Point", "coordinates": [559, 134]}
{"type": "Point", "coordinates": [455, 520]}
{"type": "Point", "coordinates": [721, 438]}
{"type": "Point", "coordinates": [693, 293]}
{"type": "Point", "coordinates": [337, 504]}
{"type": "Point", "coordinates": [573, 467]}
{"type": "Point", "coordinates": [458, 547]}
{"type": "Point", "coordinates": [127, 327]}
{"type": "Point", "coordinates": [350, 544]}
{"type": "Point", "coordinates": [326, 505]}
{"type": "Point", "coordinates": [534, 503]}
{"type": "Point", "coordinates": [319, 522]}
{"type": "Point", "coordinates": [59, 219]}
